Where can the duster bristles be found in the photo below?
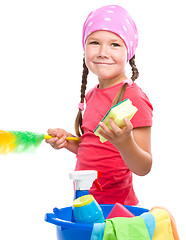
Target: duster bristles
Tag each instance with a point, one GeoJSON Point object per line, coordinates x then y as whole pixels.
{"type": "Point", "coordinates": [19, 142]}
{"type": "Point", "coordinates": [7, 142]}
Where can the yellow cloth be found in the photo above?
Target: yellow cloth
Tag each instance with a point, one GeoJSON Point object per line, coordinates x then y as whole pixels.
{"type": "Point", "coordinates": [165, 225]}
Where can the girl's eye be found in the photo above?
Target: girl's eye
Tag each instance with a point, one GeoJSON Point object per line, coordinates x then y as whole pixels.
{"type": "Point", "coordinates": [115, 45]}
{"type": "Point", "coordinates": [94, 43]}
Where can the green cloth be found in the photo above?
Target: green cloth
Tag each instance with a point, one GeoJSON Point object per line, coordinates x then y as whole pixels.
{"type": "Point", "coordinates": [120, 228]}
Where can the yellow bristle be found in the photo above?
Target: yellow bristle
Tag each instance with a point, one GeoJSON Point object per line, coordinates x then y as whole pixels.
{"type": "Point", "coordinates": [7, 142]}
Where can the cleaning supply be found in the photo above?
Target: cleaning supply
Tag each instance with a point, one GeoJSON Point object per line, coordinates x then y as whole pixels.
{"type": "Point", "coordinates": [122, 110]}
{"type": "Point", "coordinates": [126, 228]}
{"type": "Point", "coordinates": [120, 211]}
{"type": "Point", "coordinates": [155, 210]}
{"type": "Point", "coordinates": [163, 229]}
{"type": "Point", "coordinates": [119, 228]}
{"type": "Point", "coordinates": [83, 181]}
{"type": "Point", "coordinates": [165, 225]}
{"type": "Point", "coordinates": [98, 231]}
{"type": "Point", "coordinates": [19, 142]}
{"type": "Point", "coordinates": [87, 210]}
{"type": "Point", "coordinates": [68, 230]}
{"type": "Point", "coordinates": [150, 223]}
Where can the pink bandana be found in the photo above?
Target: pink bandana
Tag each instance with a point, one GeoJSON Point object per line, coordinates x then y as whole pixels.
{"type": "Point", "coordinates": [115, 19]}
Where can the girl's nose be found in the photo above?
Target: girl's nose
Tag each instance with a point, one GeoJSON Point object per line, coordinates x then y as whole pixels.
{"type": "Point", "coordinates": [103, 51]}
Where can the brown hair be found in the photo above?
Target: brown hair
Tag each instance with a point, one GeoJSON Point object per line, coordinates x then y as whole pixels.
{"type": "Point", "coordinates": [78, 121]}
{"type": "Point", "coordinates": [118, 98]}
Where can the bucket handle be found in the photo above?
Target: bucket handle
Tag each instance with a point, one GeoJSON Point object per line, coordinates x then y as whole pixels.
{"type": "Point", "coordinates": [51, 218]}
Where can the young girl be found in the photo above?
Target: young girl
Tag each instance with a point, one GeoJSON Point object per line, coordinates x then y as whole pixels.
{"type": "Point", "coordinates": [109, 40]}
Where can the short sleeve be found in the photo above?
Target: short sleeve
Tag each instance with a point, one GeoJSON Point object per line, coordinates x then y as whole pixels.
{"type": "Point", "coordinates": [144, 115]}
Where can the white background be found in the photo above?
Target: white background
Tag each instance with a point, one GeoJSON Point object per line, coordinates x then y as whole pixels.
{"type": "Point", "coordinates": [40, 76]}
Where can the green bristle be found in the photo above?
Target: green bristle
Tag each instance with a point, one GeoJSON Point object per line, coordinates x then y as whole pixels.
{"type": "Point", "coordinates": [27, 141]}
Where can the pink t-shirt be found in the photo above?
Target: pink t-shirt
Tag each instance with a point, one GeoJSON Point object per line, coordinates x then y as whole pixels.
{"type": "Point", "coordinates": [116, 180]}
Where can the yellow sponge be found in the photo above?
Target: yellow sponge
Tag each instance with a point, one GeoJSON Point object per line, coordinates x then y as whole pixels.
{"type": "Point", "coordinates": [122, 110]}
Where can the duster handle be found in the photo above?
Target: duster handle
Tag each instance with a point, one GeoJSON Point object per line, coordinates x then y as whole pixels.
{"type": "Point", "coordinates": [68, 138]}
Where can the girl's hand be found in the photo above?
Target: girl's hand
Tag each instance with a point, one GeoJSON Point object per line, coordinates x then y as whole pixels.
{"type": "Point", "coordinates": [59, 138]}
{"type": "Point", "coordinates": [117, 135]}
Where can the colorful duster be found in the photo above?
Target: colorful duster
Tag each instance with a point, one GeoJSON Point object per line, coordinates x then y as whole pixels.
{"type": "Point", "coordinates": [19, 142]}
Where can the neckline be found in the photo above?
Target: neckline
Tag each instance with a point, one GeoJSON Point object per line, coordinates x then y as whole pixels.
{"type": "Point", "coordinates": [105, 89]}
{"type": "Point", "coordinates": [114, 86]}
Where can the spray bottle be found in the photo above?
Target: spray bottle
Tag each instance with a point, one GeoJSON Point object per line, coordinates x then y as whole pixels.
{"type": "Point", "coordinates": [84, 180]}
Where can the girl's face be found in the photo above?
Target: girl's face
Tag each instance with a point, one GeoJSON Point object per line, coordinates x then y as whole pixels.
{"type": "Point", "coordinates": [105, 55]}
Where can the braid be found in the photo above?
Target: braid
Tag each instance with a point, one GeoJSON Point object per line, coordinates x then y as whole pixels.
{"type": "Point", "coordinates": [135, 74]}
{"type": "Point", "coordinates": [84, 81]}
{"type": "Point", "coordinates": [119, 96]}
{"type": "Point", "coordinates": [79, 118]}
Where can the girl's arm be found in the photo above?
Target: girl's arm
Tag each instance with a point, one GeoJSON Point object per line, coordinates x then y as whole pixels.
{"type": "Point", "coordinates": [72, 146]}
{"type": "Point", "coordinates": [59, 140]}
{"type": "Point", "coordinates": [134, 145]}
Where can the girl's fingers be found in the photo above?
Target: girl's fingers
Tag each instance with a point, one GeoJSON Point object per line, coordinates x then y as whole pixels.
{"type": "Point", "coordinates": [62, 145]}
{"type": "Point", "coordinates": [61, 140]}
{"type": "Point", "coordinates": [60, 133]}
{"type": "Point", "coordinates": [57, 132]}
{"type": "Point", "coordinates": [128, 123]}
{"type": "Point", "coordinates": [103, 134]}
{"type": "Point", "coordinates": [52, 140]}
{"type": "Point", "coordinates": [51, 132]}
{"type": "Point", "coordinates": [116, 129]}
{"type": "Point", "coordinates": [104, 128]}
{"type": "Point", "coordinates": [105, 131]}
{"type": "Point", "coordinates": [58, 139]}
{"type": "Point", "coordinates": [128, 126]}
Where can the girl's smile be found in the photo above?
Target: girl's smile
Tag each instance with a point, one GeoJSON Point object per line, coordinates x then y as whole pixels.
{"type": "Point", "coordinates": [105, 63]}
{"type": "Point", "coordinates": [106, 56]}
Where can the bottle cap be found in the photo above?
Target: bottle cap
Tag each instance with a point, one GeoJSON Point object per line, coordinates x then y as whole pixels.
{"type": "Point", "coordinates": [82, 201]}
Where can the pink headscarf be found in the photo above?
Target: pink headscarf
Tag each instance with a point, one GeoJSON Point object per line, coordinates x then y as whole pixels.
{"type": "Point", "coordinates": [115, 19]}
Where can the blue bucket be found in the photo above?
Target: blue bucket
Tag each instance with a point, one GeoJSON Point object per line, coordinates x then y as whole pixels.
{"type": "Point", "coordinates": [68, 230]}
